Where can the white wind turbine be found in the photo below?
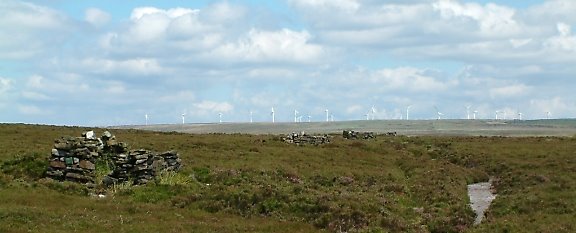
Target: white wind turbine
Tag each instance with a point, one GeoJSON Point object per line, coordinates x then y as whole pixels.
{"type": "Point", "coordinates": [272, 113]}
{"type": "Point", "coordinates": [295, 115]}
{"type": "Point", "coordinates": [183, 118]}
{"type": "Point", "coordinates": [331, 117]}
{"type": "Point", "coordinates": [327, 115]}
{"type": "Point", "coordinates": [251, 113]}
{"type": "Point", "coordinates": [468, 111]}
{"type": "Point", "coordinates": [548, 114]}
{"type": "Point", "coordinates": [475, 112]}
{"type": "Point", "coordinates": [520, 115]}
{"type": "Point", "coordinates": [367, 115]}
{"type": "Point", "coordinates": [309, 118]}
{"type": "Point", "coordinates": [220, 117]}
{"type": "Point", "coordinates": [408, 112]}
{"type": "Point", "coordinates": [146, 117]}
{"type": "Point", "coordinates": [497, 114]}
{"type": "Point", "coordinates": [373, 111]}
{"type": "Point", "coordinates": [438, 113]}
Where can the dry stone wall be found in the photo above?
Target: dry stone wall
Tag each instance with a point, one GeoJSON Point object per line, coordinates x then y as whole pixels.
{"type": "Point", "coordinates": [75, 159]}
{"type": "Point", "coordinates": [303, 138]}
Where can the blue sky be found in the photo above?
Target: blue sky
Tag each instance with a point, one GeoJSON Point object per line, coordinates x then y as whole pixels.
{"type": "Point", "coordinates": [99, 63]}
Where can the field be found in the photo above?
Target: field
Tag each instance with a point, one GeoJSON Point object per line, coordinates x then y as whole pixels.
{"type": "Point", "coordinates": [237, 182]}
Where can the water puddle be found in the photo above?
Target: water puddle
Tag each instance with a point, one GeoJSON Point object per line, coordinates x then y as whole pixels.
{"type": "Point", "coordinates": [480, 198]}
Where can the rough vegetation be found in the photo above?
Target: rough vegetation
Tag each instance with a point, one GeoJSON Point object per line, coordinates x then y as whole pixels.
{"type": "Point", "coordinates": [258, 183]}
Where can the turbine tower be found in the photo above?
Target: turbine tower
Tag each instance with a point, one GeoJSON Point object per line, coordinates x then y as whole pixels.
{"type": "Point", "coordinates": [497, 114]}
{"type": "Point", "coordinates": [220, 117]}
{"type": "Point", "coordinates": [295, 115]}
{"type": "Point", "coordinates": [520, 115]}
{"type": "Point", "coordinates": [327, 115]}
{"type": "Point", "coordinates": [408, 112]}
{"type": "Point", "coordinates": [475, 112]}
{"type": "Point", "coordinates": [367, 116]}
{"type": "Point", "coordinates": [373, 110]}
{"type": "Point", "coordinates": [146, 117]}
{"type": "Point", "coordinates": [548, 113]}
{"type": "Point", "coordinates": [468, 112]}
{"type": "Point", "coordinates": [183, 118]}
{"type": "Point", "coordinates": [251, 117]}
{"type": "Point", "coordinates": [272, 113]}
{"type": "Point", "coordinates": [309, 118]}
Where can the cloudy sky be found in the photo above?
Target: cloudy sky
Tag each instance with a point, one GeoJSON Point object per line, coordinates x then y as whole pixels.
{"type": "Point", "coordinates": [106, 62]}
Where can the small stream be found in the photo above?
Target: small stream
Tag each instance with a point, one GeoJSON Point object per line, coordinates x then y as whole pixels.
{"type": "Point", "coordinates": [480, 198]}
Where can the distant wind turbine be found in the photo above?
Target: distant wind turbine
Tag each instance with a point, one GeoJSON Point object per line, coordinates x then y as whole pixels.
{"type": "Point", "coordinates": [497, 114]}
{"type": "Point", "coordinates": [251, 113]}
{"type": "Point", "coordinates": [520, 115]}
{"type": "Point", "coordinates": [548, 114]}
{"type": "Point", "coordinates": [327, 115]}
{"type": "Point", "coordinates": [309, 118]}
{"type": "Point", "coordinates": [468, 111]}
{"type": "Point", "coordinates": [475, 112]}
{"type": "Point", "coordinates": [408, 112]}
{"type": "Point", "coordinates": [146, 117]}
{"type": "Point", "coordinates": [220, 117]}
{"type": "Point", "coordinates": [183, 118]}
{"type": "Point", "coordinates": [295, 115]}
{"type": "Point", "coordinates": [272, 113]}
{"type": "Point", "coordinates": [373, 110]}
{"type": "Point", "coordinates": [438, 113]}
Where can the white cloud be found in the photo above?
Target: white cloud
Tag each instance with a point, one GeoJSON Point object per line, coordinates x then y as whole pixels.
{"type": "Point", "coordinates": [32, 110]}
{"type": "Point", "coordinates": [264, 46]}
{"type": "Point", "coordinates": [208, 107]}
{"type": "Point", "coordinates": [97, 17]}
{"type": "Point", "coordinates": [5, 85]}
{"type": "Point", "coordinates": [515, 90]}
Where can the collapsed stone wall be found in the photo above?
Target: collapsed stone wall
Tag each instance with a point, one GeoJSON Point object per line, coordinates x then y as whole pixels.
{"type": "Point", "coordinates": [351, 134]}
{"type": "Point", "coordinates": [75, 158]}
{"type": "Point", "coordinates": [304, 138]}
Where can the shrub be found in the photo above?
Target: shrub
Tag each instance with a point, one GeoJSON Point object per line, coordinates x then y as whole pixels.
{"type": "Point", "coordinates": [29, 166]}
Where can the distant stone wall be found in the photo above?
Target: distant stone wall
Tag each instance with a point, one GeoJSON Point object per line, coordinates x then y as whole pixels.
{"type": "Point", "coordinates": [304, 138]}
{"type": "Point", "coordinates": [75, 159]}
{"type": "Point", "coordinates": [351, 134]}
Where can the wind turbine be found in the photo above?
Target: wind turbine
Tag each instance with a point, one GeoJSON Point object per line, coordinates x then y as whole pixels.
{"type": "Point", "coordinates": [146, 117]}
{"type": "Point", "coordinates": [295, 115]}
{"type": "Point", "coordinates": [327, 115]}
{"type": "Point", "coordinates": [468, 112]}
{"type": "Point", "coordinates": [408, 112]}
{"type": "Point", "coordinates": [497, 114]}
{"type": "Point", "coordinates": [373, 110]}
{"type": "Point", "coordinates": [183, 118]}
{"type": "Point", "coordinates": [309, 118]}
{"type": "Point", "coordinates": [548, 113]}
{"type": "Point", "coordinates": [220, 117]}
{"type": "Point", "coordinates": [367, 116]}
{"type": "Point", "coordinates": [251, 116]}
{"type": "Point", "coordinates": [331, 117]}
{"type": "Point", "coordinates": [438, 113]}
{"type": "Point", "coordinates": [272, 113]}
{"type": "Point", "coordinates": [520, 115]}
{"type": "Point", "coordinates": [475, 112]}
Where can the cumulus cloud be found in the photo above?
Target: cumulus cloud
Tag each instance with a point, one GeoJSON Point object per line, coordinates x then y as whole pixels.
{"type": "Point", "coordinates": [97, 17]}
{"type": "Point", "coordinates": [5, 85]}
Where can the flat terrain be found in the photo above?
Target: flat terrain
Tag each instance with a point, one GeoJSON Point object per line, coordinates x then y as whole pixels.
{"type": "Point", "coordinates": [258, 183]}
{"type": "Point", "coordinates": [560, 127]}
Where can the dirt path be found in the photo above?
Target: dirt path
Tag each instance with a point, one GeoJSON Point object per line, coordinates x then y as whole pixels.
{"type": "Point", "coordinates": [480, 198]}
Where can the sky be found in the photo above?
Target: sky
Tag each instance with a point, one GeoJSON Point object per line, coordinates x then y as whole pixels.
{"type": "Point", "coordinates": [103, 63]}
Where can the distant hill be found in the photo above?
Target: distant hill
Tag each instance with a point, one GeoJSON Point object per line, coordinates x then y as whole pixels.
{"type": "Point", "coordinates": [556, 127]}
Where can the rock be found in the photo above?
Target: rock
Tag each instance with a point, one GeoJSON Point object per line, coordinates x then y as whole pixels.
{"type": "Point", "coordinates": [89, 135]}
{"type": "Point", "coordinates": [85, 164]}
{"type": "Point", "coordinates": [57, 164]}
{"type": "Point", "coordinates": [107, 135]}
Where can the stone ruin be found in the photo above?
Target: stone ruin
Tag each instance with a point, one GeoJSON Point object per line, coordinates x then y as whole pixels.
{"type": "Point", "coordinates": [303, 138]}
{"type": "Point", "coordinates": [351, 134]}
{"type": "Point", "coordinates": [75, 158]}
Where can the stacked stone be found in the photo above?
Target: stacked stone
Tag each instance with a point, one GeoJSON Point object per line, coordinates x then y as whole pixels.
{"type": "Point", "coordinates": [167, 161]}
{"type": "Point", "coordinates": [351, 134]}
{"type": "Point", "coordinates": [135, 166]}
{"type": "Point", "coordinates": [73, 158]}
{"type": "Point", "coordinates": [303, 138]}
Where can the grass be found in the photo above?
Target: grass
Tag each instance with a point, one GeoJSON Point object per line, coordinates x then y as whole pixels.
{"type": "Point", "coordinates": [256, 183]}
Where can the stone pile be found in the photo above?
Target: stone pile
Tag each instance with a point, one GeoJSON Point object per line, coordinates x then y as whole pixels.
{"type": "Point", "coordinates": [74, 158]}
{"type": "Point", "coordinates": [351, 134]}
{"type": "Point", "coordinates": [300, 139]}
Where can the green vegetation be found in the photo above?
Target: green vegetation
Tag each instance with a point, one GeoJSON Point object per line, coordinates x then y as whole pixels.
{"type": "Point", "coordinates": [256, 183]}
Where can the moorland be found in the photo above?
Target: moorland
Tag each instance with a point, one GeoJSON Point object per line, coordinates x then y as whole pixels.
{"type": "Point", "coordinates": [258, 183]}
